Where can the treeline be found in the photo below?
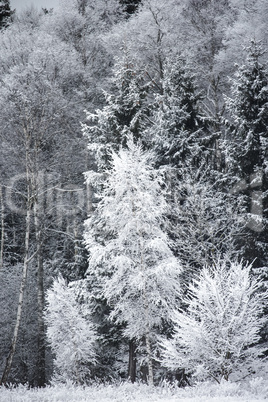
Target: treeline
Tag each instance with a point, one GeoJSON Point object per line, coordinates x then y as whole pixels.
{"type": "Point", "coordinates": [186, 85]}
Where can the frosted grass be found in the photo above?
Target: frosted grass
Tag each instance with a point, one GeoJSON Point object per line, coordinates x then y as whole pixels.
{"type": "Point", "coordinates": [255, 390]}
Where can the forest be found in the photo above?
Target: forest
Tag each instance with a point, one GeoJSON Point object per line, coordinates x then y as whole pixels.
{"type": "Point", "coordinates": [134, 192]}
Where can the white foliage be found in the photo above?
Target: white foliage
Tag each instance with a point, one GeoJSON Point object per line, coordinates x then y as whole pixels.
{"type": "Point", "coordinates": [214, 337]}
{"type": "Point", "coordinates": [252, 391]}
{"type": "Point", "coordinates": [70, 333]}
{"type": "Point", "coordinates": [132, 259]}
{"type": "Point", "coordinates": [208, 220]}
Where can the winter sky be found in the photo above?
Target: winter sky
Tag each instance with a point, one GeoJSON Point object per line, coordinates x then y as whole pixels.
{"type": "Point", "coordinates": [21, 4]}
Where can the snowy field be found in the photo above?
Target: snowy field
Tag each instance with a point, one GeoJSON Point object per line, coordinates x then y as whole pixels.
{"type": "Point", "coordinates": [255, 390]}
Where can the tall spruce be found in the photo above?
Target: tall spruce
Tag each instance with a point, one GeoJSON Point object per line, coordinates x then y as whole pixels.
{"type": "Point", "coordinates": [123, 113]}
{"type": "Point", "coordinates": [248, 145]}
{"type": "Point", "coordinates": [202, 216]}
{"type": "Point", "coordinates": [180, 130]}
{"type": "Point", "coordinates": [108, 128]}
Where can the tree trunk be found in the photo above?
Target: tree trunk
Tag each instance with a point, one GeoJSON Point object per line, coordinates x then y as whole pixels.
{"type": "Point", "coordinates": [41, 352]}
{"type": "Point", "coordinates": [147, 322]}
{"type": "Point", "coordinates": [147, 338]}
{"type": "Point", "coordinates": [132, 361]}
{"type": "Point", "coordinates": [41, 356]}
{"type": "Point", "coordinates": [26, 262]}
{"type": "Point", "coordinates": [149, 361]}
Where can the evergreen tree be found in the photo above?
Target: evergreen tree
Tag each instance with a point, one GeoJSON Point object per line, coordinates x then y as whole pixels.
{"type": "Point", "coordinates": [205, 221]}
{"type": "Point", "coordinates": [247, 148]}
{"type": "Point", "coordinates": [201, 214]}
{"type": "Point", "coordinates": [132, 262]}
{"type": "Point", "coordinates": [180, 131]}
{"type": "Point", "coordinates": [123, 113]}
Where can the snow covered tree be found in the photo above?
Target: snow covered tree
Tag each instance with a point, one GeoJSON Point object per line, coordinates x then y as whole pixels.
{"type": "Point", "coordinates": [202, 215]}
{"type": "Point", "coordinates": [123, 113]}
{"type": "Point", "coordinates": [132, 263]}
{"type": "Point", "coordinates": [180, 130]}
{"type": "Point", "coordinates": [250, 22]}
{"type": "Point", "coordinates": [248, 111]}
{"type": "Point", "coordinates": [70, 333]}
{"type": "Point", "coordinates": [247, 145]}
{"type": "Point", "coordinates": [216, 336]}
{"type": "Point", "coordinates": [206, 220]}
{"type": "Point", "coordinates": [197, 27]}
{"type": "Point", "coordinates": [204, 27]}
{"type": "Point", "coordinates": [36, 86]}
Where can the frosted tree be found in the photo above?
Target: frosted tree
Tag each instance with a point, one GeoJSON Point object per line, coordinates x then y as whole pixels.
{"type": "Point", "coordinates": [70, 333]}
{"type": "Point", "coordinates": [132, 262]}
{"type": "Point", "coordinates": [34, 89]}
{"type": "Point", "coordinates": [203, 218]}
{"type": "Point", "coordinates": [217, 335]}
{"type": "Point", "coordinates": [247, 144]}
{"type": "Point", "coordinates": [123, 112]}
{"type": "Point", "coordinates": [248, 112]}
{"type": "Point", "coordinates": [197, 27]}
{"type": "Point", "coordinates": [207, 220]}
{"type": "Point", "coordinates": [250, 22]}
{"type": "Point", "coordinates": [180, 130]}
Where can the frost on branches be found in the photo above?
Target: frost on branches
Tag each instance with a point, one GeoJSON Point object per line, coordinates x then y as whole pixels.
{"type": "Point", "coordinates": [70, 334]}
{"type": "Point", "coordinates": [132, 261]}
{"type": "Point", "coordinates": [216, 336]}
{"type": "Point", "coordinates": [178, 133]}
{"type": "Point", "coordinates": [124, 112]}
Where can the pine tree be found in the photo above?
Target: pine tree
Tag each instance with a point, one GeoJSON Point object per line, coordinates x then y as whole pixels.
{"type": "Point", "coordinates": [132, 262]}
{"type": "Point", "coordinates": [178, 130]}
{"type": "Point", "coordinates": [216, 337]}
{"type": "Point", "coordinates": [123, 113]}
{"type": "Point", "coordinates": [247, 148]}
{"type": "Point", "coordinates": [184, 141]}
{"type": "Point", "coordinates": [206, 220]}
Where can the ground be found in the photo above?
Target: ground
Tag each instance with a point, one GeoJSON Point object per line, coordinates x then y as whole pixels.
{"type": "Point", "coordinates": [255, 390]}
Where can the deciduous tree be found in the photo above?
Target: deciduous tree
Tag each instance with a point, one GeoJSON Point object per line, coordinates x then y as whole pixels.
{"type": "Point", "coordinates": [70, 333]}
{"type": "Point", "coordinates": [217, 335]}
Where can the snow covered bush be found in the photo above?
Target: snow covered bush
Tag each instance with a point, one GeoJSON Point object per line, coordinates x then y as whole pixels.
{"type": "Point", "coordinates": [216, 336]}
{"type": "Point", "coordinates": [70, 333]}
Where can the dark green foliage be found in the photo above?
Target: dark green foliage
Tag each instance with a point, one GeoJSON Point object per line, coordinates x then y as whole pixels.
{"type": "Point", "coordinates": [248, 141]}
{"type": "Point", "coordinates": [5, 13]}
{"type": "Point", "coordinates": [180, 132]}
{"type": "Point", "coordinates": [130, 6]}
{"type": "Point", "coordinates": [124, 112]}
{"type": "Point", "coordinates": [249, 111]}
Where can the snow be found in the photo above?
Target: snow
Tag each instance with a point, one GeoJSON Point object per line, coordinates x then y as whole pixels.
{"type": "Point", "coordinates": [255, 390]}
